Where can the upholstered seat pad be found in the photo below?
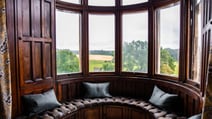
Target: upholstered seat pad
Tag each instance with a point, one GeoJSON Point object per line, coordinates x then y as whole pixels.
{"type": "Point", "coordinates": [77, 104]}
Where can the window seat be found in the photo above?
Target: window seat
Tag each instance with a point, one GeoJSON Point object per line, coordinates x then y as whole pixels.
{"type": "Point", "coordinates": [68, 109]}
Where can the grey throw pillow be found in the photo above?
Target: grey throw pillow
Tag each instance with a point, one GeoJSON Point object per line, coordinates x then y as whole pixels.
{"type": "Point", "coordinates": [166, 101]}
{"type": "Point", "coordinates": [198, 116]}
{"type": "Point", "coordinates": [37, 103]}
{"type": "Point", "coordinates": [96, 90]}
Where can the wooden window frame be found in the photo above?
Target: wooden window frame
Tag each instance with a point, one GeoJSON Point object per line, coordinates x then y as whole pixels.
{"type": "Point", "coordinates": [118, 10]}
{"type": "Point", "coordinates": [156, 39]}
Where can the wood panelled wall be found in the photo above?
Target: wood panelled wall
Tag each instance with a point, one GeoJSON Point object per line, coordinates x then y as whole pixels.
{"type": "Point", "coordinates": [31, 32]}
{"type": "Point", "coordinates": [207, 41]}
{"type": "Point", "coordinates": [32, 46]}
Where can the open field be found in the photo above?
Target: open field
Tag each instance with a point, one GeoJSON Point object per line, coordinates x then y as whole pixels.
{"type": "Point", "coordinates": [97, 61]}
{"type": "Point", "coordinates": [100, 57]}
{"type": "Point", "coordinates": [95, 64]}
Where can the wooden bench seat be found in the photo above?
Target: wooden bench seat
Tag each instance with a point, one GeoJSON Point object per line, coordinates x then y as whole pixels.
{"type": "Point", "coordinates": [68, 109]}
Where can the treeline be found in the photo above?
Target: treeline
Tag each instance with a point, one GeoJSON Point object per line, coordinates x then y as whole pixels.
{"type": "Point", "coordinates": [173, 53]}
{"type": "Point", "coordinates": [97, 52]}
{"type": "Point", "coordinates": [102, 52]}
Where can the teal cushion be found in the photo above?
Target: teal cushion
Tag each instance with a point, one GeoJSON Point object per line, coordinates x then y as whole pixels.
{"type": "Point", "coordinates": [96, 90]}
{"type": "Point", "coordinates": [166, 101]}
{"type": "Point", "coordinates": [198, 116]}
{"type": "Point", "coordinates": [37, 103]}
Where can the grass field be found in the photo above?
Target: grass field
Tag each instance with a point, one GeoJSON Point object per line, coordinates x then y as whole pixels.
{"type": "Point", "coordinates": [101, 57]}
{"type": "Point", "coordinates": [96, 61]}
{"type": "Point", "coordinates": [95, 64]}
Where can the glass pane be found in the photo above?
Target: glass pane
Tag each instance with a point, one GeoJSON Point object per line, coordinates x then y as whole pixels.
{"type": "Point", "coordinates": [135, 42]}
{"type": "Point", "coordinates": [101, 2]}
{"type": "Point", "coordinates": [130, 2]}
{"type": "Point", "coordinates": [168, 40]}
{"type": "Point", "coordinates": [101, 43]}
{"type": "Point", "coordinates": [72, 1]}
{"type": "Point", "coordinates": [67, 42]}
{"type": "Point", "coordinates": [197, 45]}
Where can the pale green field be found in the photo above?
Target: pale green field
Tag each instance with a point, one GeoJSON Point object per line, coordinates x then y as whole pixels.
{"type": "Point", "coordinates": [176, 68]}
{"type": "Point", "coordinates": [95, 64]}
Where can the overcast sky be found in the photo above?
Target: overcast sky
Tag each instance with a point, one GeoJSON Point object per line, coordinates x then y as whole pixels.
{"type": "Point", "coordinates": [102, 28]}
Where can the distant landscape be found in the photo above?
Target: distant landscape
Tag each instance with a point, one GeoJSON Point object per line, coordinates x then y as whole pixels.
{"type": "Point", "coordinates": [134, 59]}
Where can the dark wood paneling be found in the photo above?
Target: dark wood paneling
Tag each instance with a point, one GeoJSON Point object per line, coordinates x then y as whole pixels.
{"type": "Point", "coordinates": [207, 69]}
{"type": "Point", "coordinates": [108, 111]}
{"type": "Point", "coordinates": [36, 18]}
{"type": "Point", "coordinates": [37, 64]}
{"type": "Point", "coordinates": [26, 17]}
{"type": "Point", "coordinates": [138, 114]}
{"type": "Point", "coordinates": [47, 61]}
{"type": "Point", "coordinates": [113, 112]}
{"type": "Point", "coordinates": [47, 19]}
{"type": "Point", "coordinates": [25, 62]}
{"type": "Point", "coordinates": [36, 52]}
{"type": "Point", "coordinates": [34, 57]}
{"type": "Point", "coordinates": [35, 47]}
{"type": "Point", "coordinates": [12, 48]}
{"type": "Point", "coordinates": [206, 39]}
{"type": "Point", "coordinates": [92, 113]}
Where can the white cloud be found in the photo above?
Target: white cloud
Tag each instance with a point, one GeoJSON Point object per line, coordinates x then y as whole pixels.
{"type": "Point", "coordinates": [102, 29]}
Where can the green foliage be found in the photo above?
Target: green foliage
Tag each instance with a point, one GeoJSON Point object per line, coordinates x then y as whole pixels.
{"type": "Point", "coordinates": [99, 65]}
{"type": "Point", "coordinates": [95, 65]}
{"type": "Point", "coordinates": [173, 53]}
{"type": "Point", "coordinates": [102, 52]}
{"type": "Point", "coordinates": [108, 66]}
{"type": "Point", "coordinates": [67, 61]}
{"type": "Point", "coordinates": [134, 56]}
{"type": "Point", "coordinates": [167, 65]}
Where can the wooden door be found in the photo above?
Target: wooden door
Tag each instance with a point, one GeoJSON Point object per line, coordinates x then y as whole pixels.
{"type": "Point", "coordinates": [35, 45]}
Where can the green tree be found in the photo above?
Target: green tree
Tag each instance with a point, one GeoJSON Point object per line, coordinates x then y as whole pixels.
{"type": "Point", "coordinates": [135, 56]}
{"type": "Point", "coordinates": [108, 66]}
{"type": "Point", "coordinates": [67, 61]}
{"type": "Point", "coordinates": [167, 65]}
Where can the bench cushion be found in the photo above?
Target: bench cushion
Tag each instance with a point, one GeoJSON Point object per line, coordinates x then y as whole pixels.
{"type": "Point", "coordinates": [36, 103]}
{"type": "Point", "coordinates": [198, 116]}
{"type": "Point", "coordinates": [166, 101]}
{"type": "Point", "coordinates": [96, 90]}
{"type": "Point", "coordinates": [68, 108]}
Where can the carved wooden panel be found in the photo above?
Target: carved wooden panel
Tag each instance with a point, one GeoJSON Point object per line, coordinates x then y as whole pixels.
{"type": "Point", "coordinates": [138, 114]}
{"type": "Point", "coordinates": [92, 113]}
{"type": "Point", "coordinates": [35, 27]}
{"type": "Point", "coordinates": [113, 112]}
